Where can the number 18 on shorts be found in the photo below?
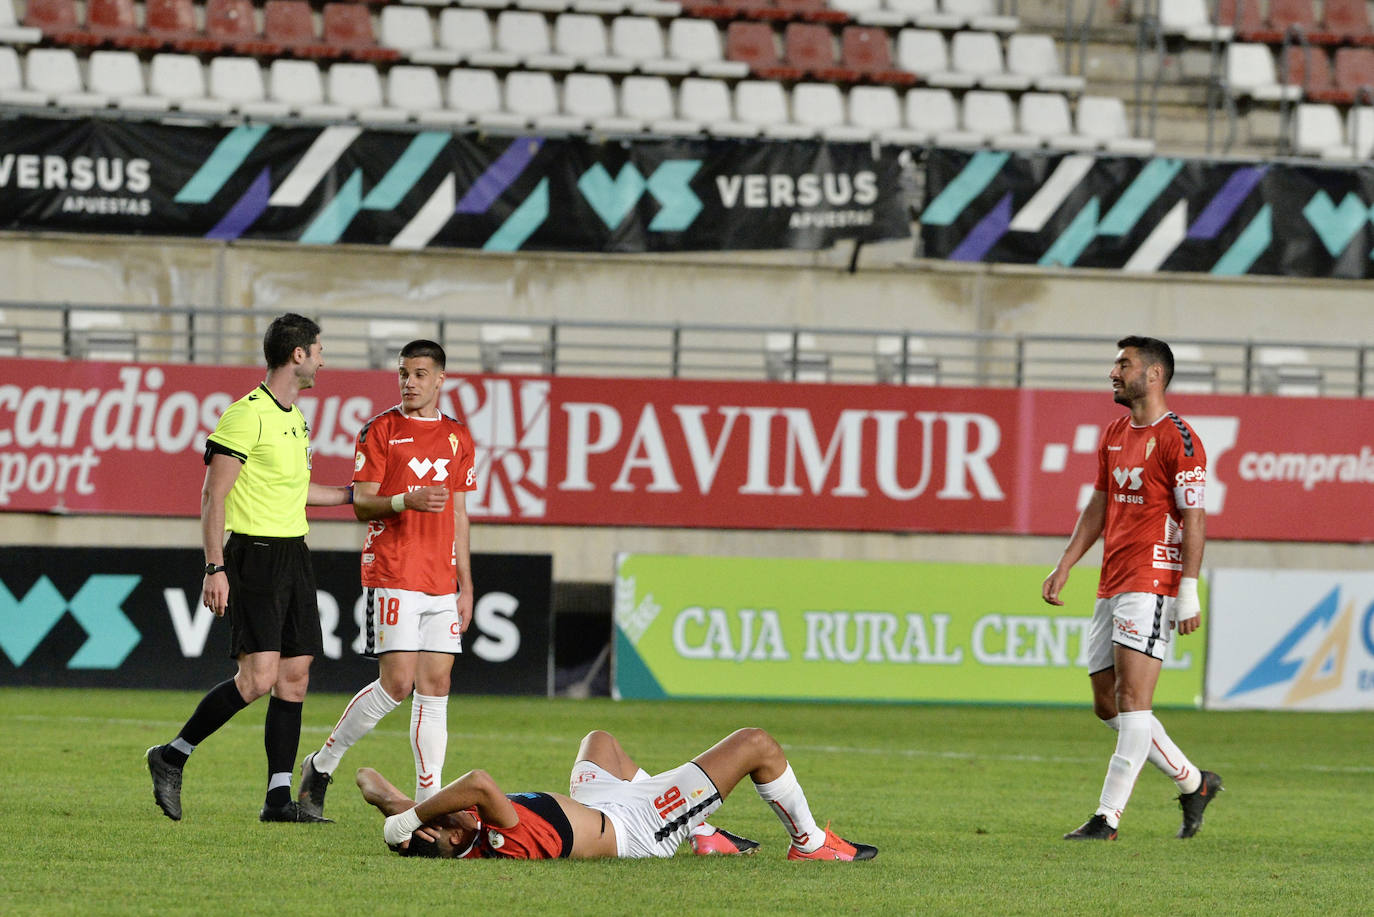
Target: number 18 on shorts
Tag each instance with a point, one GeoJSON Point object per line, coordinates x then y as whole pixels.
{"type": "Point", "coordinates": [401, 621]}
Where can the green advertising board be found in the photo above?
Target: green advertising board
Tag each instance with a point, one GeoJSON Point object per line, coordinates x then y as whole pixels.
{"type": "Point", "coordinates": [735, 627]}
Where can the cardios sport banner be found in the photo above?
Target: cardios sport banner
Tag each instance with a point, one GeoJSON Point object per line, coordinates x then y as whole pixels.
{"type": "Point", "coordinates": [322, 186]}
{"type": "Point", "coordinates": [1291, 640]}
{"type": "Point", "coordinates": [131, 617]}
{"type": "Point", "coordinates": [1223, 217]}
{"type": "Point", "coordinates": [720, 627]}
{"type": "Point", "coordinates": [87, 437]}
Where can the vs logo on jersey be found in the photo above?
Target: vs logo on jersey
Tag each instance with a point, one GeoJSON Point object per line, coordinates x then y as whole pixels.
{"type": "Point", "coordinates": [1128, 477]}
{"type": "Point", "coordinates": [422, 467]}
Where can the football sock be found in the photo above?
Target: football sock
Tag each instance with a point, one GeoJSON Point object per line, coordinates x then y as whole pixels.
{"type": "Point", "coordinates": [363, 712]}
{"type": "Point", "coordinates": [1132, 749]}
{"type": "Point", "coordinates": [428, 741]}
{"type": "Point", "coordinates": [785, 797]}
{"type": "Point", "coordinates": [281, 737]}
{"type": "Point", "coordinates": [1168, 757]}
{"type": "Point", "coordinates": [216, 708]}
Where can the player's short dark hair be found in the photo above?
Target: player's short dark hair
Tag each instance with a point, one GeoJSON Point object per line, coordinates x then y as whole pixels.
{"type": "Point", "coordinates": [420, 847]}
{"type": "Point", "coordinates": [1152, 350]}
{"type": "Point", "coordinates": [424, 348]}
{"type": "Point", "coordinates": [284, 335]}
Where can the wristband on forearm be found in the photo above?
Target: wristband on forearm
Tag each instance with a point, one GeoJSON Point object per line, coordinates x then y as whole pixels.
{"type": "Point", "coordinates": [398, 503]}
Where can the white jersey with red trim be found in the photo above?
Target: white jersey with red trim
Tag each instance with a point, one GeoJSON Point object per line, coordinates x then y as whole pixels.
{"type": "Point", "coordinates": [1149, 475]}
{"type": "Point", "coordinates": [399, 453]}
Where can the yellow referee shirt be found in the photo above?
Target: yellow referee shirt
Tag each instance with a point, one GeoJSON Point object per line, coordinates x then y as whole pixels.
{"type": "Point", "coordinates": [273, 443]}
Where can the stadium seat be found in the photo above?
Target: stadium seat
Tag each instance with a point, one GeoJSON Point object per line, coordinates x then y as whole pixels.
{"type": "Point", "coordinates": [239, 81]}
{"type": "Point", "coordinates": [640, 39]}
{"type": "Point", "coordinates": [981, 15]}
{"type": "Point", "coordinates": [591, 97]}
{"type": "Point", "coordinates": [1354, 70]}
{"type": "Point", "coordinates": [870, 12]}
{"type": "Point", "coordinates": [707, 103]}
{"type": "Point", "coordinates": [1287, 371]}
{"type": "Point", "coordinates": [866, 49]}
{"type": "Point", "coordinates": [1035, 57]}
{"type": "Point", "coordinates": [764, 103]}
{"type": "Point", "coordinates": [1317, 131]}
{"type": "Point", "coordinates": [980, 54]}
{"type": "Point", "coordinates": [525, 34]}
{"type": "Point", "coordinates": [650, 99]}
{"type": "Point", "coordinates": [299, 85]}
{"type": "Point", "coordinates": [349, 26]}
{"type": "Point", "coordinates": [180, 79]}
{"type": "Point", "coordinates": [1243, 16]}
{"type": "Point", "coordinates": [114, 22]}
{"type": "Point", "coordinates": [11, 77]}
{"type": "Point", "coordinates": [926, 14]}
{"type": "Point", "coordinates": [1192, 21]}
{"type": "Point", "coordinates": [821, 106]}
{"type": "Point", "coordinates": [173, 24]}
{"type": "Point", "coordinates": [416, 90]}
{"type": "Point", "coordinates": [1046, 116]}
{"type": "Point", "coordinates": [789, 357]}
{"type": "Point", "coordinates": [291, 24]}
{"type": "Point", "coordinates": [117, 76]}
{"type": "Point", "coordinates": [924, 52]}
{"type": "Point", "coordinates": [935, 113]}
{"type": "Point", "coordinates": [11, 32]}
{"type": "Point", "coordinates": [1309, 69]}
{"type": "Point", "coordinates": [878, 110]}
{"type": "Point", "coordinates": [1359, 130]}
{"type": "Point", "coordinates": [1250, 73]}
{"type": "Point", "coordinates": [1103, 118]}
{"type": "Point", "coordinates": [582, 38]}
{"type": "Point", "coordinates": [469, 33]}
{"type": "Point", "coordinates": [477, 93]}
{"type": "Point", "coordinates": [990, 115]}
{"type": "Point", "coordinates": [1283, 15]}
{"type": "Point", "coordinates": [409, 29]}
{"type": "Point", "coordinates": [357, 87]}
{"type": "Point", "coordinates": [533, 96]}
{"type": "Point", "coordinates": [698, 42]}
{"type": "Point", "coordinates": [57, 21]}
{"type": "Point", "coordinates": [233, 23]}
{"type": "Point", "coordinates": [1344, 22]}
{"type": "Point", "coordinates": [754, 44]}
{"type": "Point", "coordinates": [48, 74]}
{"type": "Point", "coordinates": [811, 48]}
{"type": "Point", "coordinates": [811, 11]}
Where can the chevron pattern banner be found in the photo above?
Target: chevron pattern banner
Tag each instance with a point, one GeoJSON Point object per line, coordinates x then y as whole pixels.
{"type": "Point", "coordinates": [1154, 214]}
{"type": "Point", "coordinates": [344, 184]}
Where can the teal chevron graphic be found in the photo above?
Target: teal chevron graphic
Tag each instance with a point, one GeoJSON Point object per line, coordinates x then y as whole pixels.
{"type": "Point", "coordinates": [1248, 246]}
{"type": "Point", "coordinates": [223, 162]}
{"type": "Point", "coordinates": [612, 199]}
{"type": "Point", "coordinates": [110, 636]}
{"type": "Point", "coordinates": [407, 170]}
{"type": "Point", "coordinates": [1336, 226]}
{"type": "Point", "coordinates": [1137, 198]}
{"type": "Point", "coordinates": [966, 186]}
{"type": "Point", "coordinates": [1069, 246]}
{"type": "Point", "coordinates": [337, 214]}
{"type": "Point", "coordinates": [671, 187]}
{"type": "Point", "coordinates": [522, 223]}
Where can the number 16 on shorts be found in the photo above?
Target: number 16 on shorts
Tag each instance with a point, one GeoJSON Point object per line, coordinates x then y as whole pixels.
{"type": "Point", "coordinates": [402, 621]}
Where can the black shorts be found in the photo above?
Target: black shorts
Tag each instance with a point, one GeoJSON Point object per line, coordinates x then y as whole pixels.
{"type": "Point", "coordinates": [272, 604]}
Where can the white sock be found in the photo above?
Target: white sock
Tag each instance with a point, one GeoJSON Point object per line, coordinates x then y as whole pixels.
{"type": "Point", "coordinates": [1132, 749]}
{"type": "Point", "coordinates": [428, 742]}
{"type": "Point", "coordinates": [788, 802]}
{"type": "Point", "coordinates": [363, 712]}
{"type": "Point", "coordinates": [1168, 757]}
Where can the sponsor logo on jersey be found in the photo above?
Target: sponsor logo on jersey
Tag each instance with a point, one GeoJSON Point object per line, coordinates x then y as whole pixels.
{"type": "Point", "coordinates": [422, 467]}
{"type": "Point", "coordinates": [1128, 477]}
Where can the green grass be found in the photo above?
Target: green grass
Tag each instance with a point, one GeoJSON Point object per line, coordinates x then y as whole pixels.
{"type": "Point", "coordinates": [966, 804]}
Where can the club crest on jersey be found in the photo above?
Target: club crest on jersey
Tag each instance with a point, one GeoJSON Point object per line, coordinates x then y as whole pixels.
{"type": "Point", "coordinates": [1150, 447]}
{"type": "Point", "coordinates": [453, 442]}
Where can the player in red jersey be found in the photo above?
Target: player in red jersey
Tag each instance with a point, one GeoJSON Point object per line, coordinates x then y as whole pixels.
{"type": "Point", "coordinates": [411, 472]}
{"type": "Point", "coordinates": [609, 811]}
{"type": "Point", "coordinates": [1148, 506]}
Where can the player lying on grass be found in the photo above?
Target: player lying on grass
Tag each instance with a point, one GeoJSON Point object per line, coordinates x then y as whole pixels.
{"type": "Point", "coordinates": [613, 809]}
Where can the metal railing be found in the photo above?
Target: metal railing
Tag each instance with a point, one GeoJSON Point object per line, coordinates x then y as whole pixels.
{"type": "Point", "coordinates": [186, 334]}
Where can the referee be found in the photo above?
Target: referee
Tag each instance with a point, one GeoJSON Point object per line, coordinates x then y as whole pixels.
{"type": "Point", "coordinates": [257, 485]}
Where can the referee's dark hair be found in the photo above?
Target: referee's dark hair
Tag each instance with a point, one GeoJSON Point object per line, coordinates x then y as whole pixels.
{"type": "Point", "coordinates": [1152, 350]}
{"type": "Point", "coordinates": [284, 335]}
{"type": "Point", "coordinates": [424, 349]}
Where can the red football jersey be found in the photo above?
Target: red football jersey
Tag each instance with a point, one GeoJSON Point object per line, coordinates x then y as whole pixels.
{"type": "Point", "coordinates": [1149, 474]}
{"type": "Point", "coordinates": [414, 550]}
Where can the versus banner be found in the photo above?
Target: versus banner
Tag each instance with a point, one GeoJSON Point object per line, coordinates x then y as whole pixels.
{"type": "Point", "coordinates": [1150, 214]}
{"type": "Point", "coordinates": [860, 630]}
{"type": "Point", "coordinates": [131, 617]}
{"type": "Point", "coordinates": [435, 189]}
{"type": "Point", "coordinates": [127, 439]}
{"type": "Point", "coordinates": [1291, 640]}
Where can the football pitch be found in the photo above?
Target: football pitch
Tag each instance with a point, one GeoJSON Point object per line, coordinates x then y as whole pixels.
{"type": "Point", "coordinates": [965, 803]}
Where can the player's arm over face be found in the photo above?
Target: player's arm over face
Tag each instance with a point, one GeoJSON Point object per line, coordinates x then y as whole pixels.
{"type": "Point", "coordinates": [475, 788]}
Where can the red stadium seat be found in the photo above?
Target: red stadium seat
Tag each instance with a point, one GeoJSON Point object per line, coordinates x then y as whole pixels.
{"type": "Point", "coordinates": [57, 20]}
{"type": "Point", "coordinates": [1243, 15]}
{"type": "Point", "coordinates": [1354, 69]}
{"type": "Point", "coordinates": [865, 48]}
{"type": "Point", "coordinates": [811, 11]}
{"type": "Point", "coordinates": [1283, 15]}
{"type": "Point", "coordinates": [754, 44]}
{"type": "Point", "coordinates": [173, 22]}
{"type": "Point", "coordinates": [811, 47]}
{"type": "Point", "coordinates": [290, 24]}
{"type": "Point", "coordinates": [114, 21]}
{"type": "Point", "coordinates": [1310, 68]}
{"type": "Point", "coordinates": [1344, 21]}
{"type": "Point", "coordinates": [232, 22]}
{"type": "Point", "coordinates": [349, 26]}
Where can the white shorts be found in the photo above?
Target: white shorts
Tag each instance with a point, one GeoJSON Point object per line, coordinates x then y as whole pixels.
{"type": "Point", "coordinates": [402, 621]}
{"type": "Point", "coordinates": [652, 816]}
{"type": "Point", "coordinates": [1141, 621]}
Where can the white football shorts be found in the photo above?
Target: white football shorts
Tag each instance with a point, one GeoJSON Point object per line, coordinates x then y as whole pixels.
{"type": "Point", "coordinates": [652, 816]}
{"type": "Point", "coordinates": [402, 621]}
{"type": "Point", "coordinates": [1141, 621]}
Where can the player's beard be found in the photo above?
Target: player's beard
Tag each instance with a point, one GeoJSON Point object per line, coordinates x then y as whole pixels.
{"type": "Point", "coordinates": [1128, 394]}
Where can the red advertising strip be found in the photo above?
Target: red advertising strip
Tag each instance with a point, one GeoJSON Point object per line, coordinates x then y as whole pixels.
{"type": "Point", "coordinates": [86, 437]}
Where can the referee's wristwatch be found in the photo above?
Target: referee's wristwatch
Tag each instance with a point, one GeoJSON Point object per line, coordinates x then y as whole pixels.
{"type": "Point", "coordinates": [212, 569]}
